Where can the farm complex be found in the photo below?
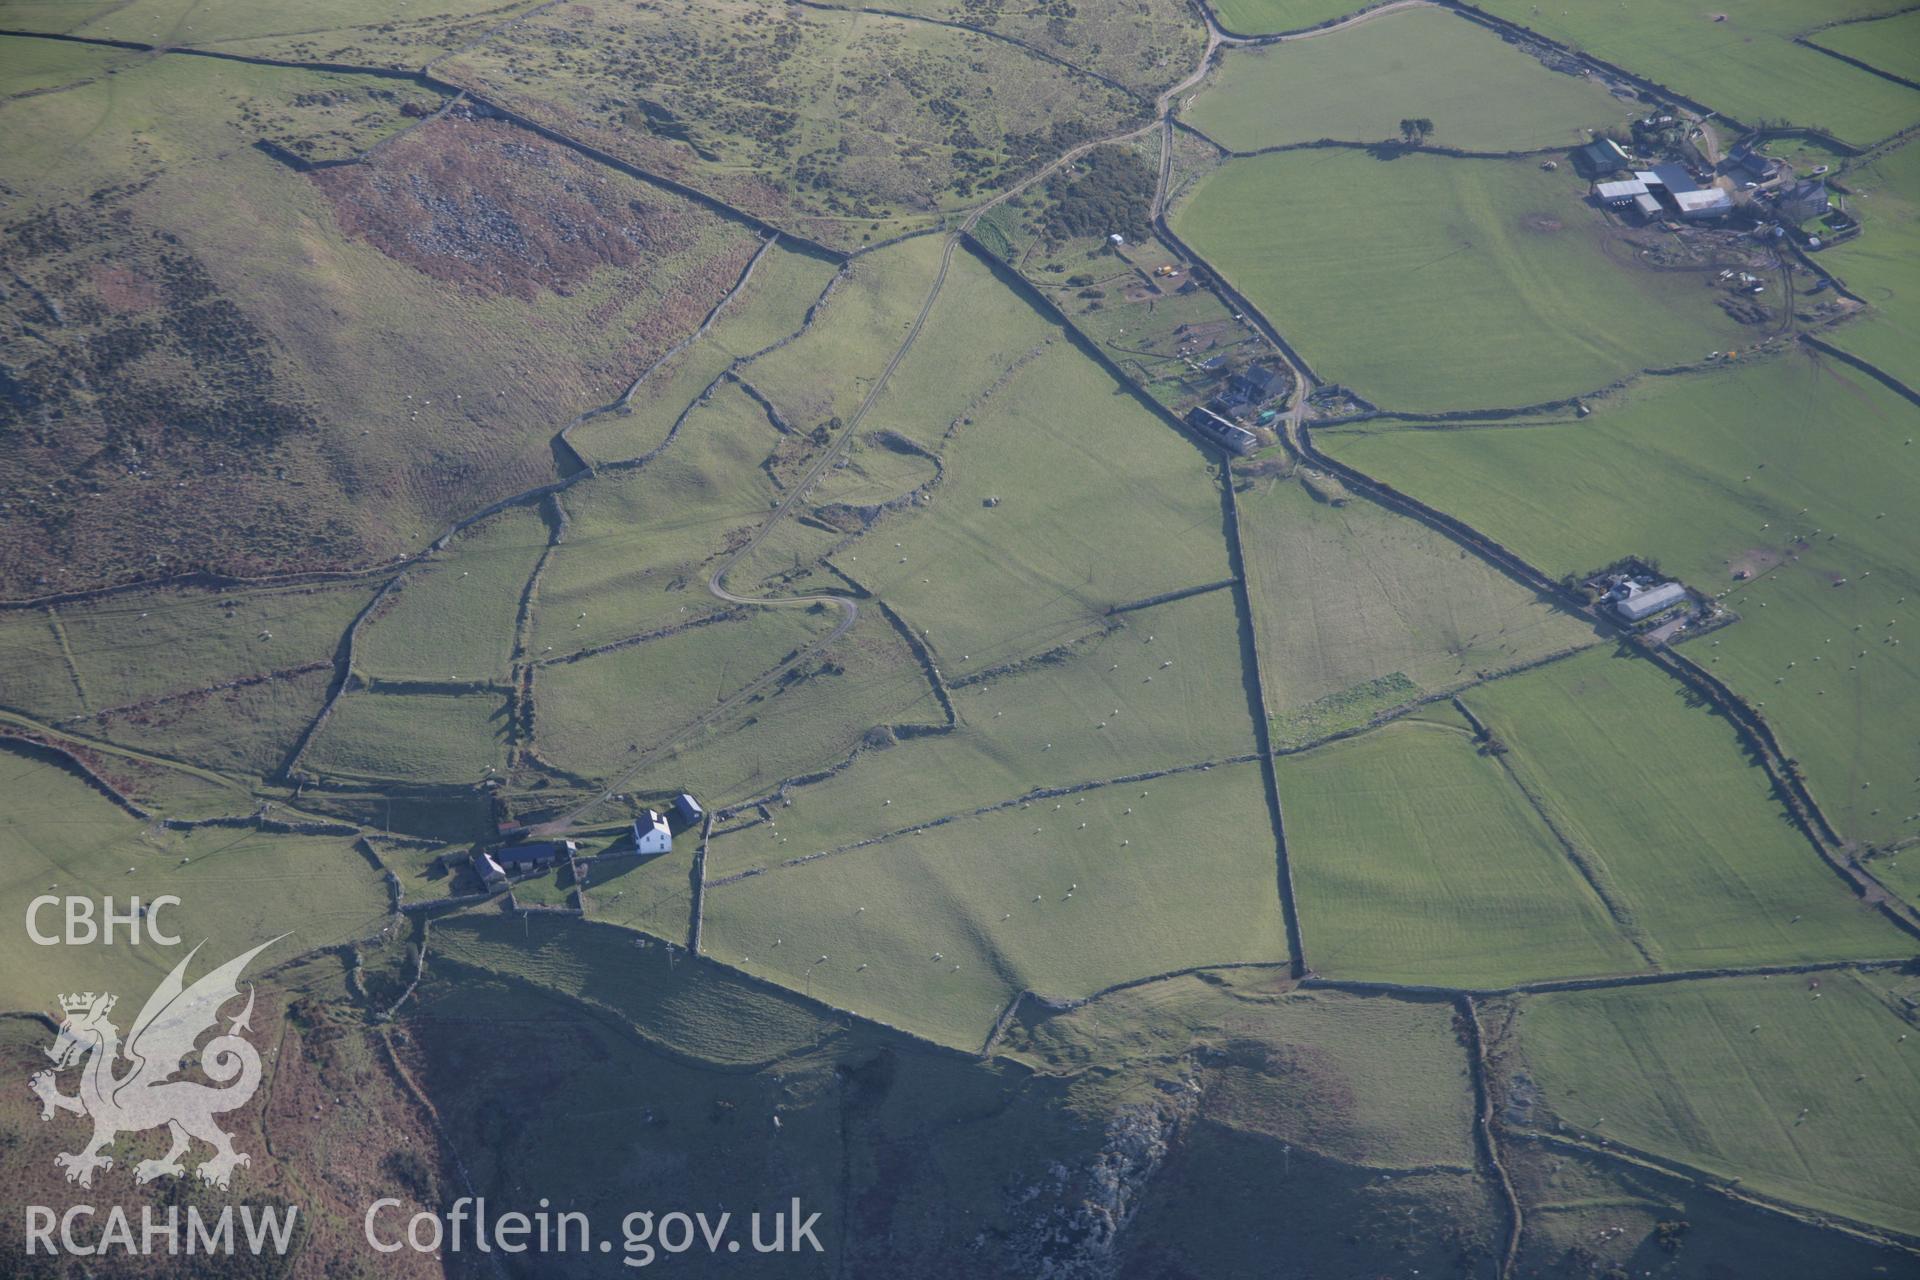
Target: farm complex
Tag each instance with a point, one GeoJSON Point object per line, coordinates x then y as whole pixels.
{"type": "Point", "coordinates": [1106, 641]}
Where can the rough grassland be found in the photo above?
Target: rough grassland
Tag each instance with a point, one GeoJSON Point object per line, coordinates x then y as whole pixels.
{"type": "Point", "coordinates": [1780, 471]}
{"type": "Point", "coordinates": [1616, 1214]}
{"type": "Point", "coordinates": [1889, 44]}
{"type": "Point", "coordinates": [454, 617]}
{"type": "Point", "coordinates": [1050, 724]}
{"type": "Point", "coordinates": [1382, 1081]}
{"type": "Point", "coordinates": [1446, 283]}
{"type": "Point", "coordinates": [1144, 44]}
{"type": "Point", "coordinates": [927, 915]}
{"type": "Point", "coordinates": [223, 22]}
{"type": "Point", "coordinates": [236, 888]}
{"type": "Point", "coordinates": [686, 1005]}
{"type": "Point", "coordinates": [897, 118]}
{"type": "Point", "coordinates": [1345, 598]}
{"type": "Point", "coordinates": [1417, 861]}
{"type": "Point", "coordinates": [1746, 65]}
{"type": "Point", "coordinates": [772, 306]}
{"type": "Point", "coordinates": [1480, 93]}
{"type": "Point", "coordinates": [1882, 265]}
{"type": "Point", "coordinates": [1263, 17]}
{"type": "Point", "coordinates": [412, 737]}
{"type": "Point", "coordinates": [424, 396]}
{"type": "Point", "coordinates": [1717, 1074]}
{"type": "Point", "coordinates": [1686, 834]}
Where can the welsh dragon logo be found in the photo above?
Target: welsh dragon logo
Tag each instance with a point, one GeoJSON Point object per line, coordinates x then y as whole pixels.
{"type": "Point", "coordinates": [146, 1095]}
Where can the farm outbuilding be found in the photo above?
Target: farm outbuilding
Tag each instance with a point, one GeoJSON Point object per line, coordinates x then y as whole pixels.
{"type": "Point", "coordinates": [534, 856]}
{"type": "Point", "coordinates": [1643, 602]}
{"type": "Point", "coordinates": [651, 834]}
{"type": "Point", "coordinates": [1754, 165]}
{"type": "Point", "coordinates": [686, 812]}
{"type": "Point", "coordinates": [1667, 186]}
{"type": "Point", "coordinates": [1711, 202]}
{"type": "Point", "coordinates": [1619, 194]}
{"type": "Point", "coordinates": [1603, 156]}
{"type": "Point", "coordinates": [1221, 431]}
{"type": "Point", "coordinates": [486, 868]}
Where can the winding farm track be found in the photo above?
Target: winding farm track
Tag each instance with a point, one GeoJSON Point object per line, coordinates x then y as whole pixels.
{"type": "Point", "coordinates": [797, 493]}
{"type": "Point", "coordinates": [1295, 430]}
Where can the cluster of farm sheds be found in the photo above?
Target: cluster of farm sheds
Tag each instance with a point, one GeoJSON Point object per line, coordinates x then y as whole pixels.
{"type": "Point", "coordinates": [1748, 185]}
{"type": "Point", "coordinates": [650, 834]}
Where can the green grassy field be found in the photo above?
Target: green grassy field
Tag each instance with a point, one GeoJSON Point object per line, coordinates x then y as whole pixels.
{"type": "Point", "coordinates": [1780, 470]}
{"type": "Point", "coordinates": [128, 648]}
{"type": "Point", "coordinates": [651, 894]}
{"type": "Point", "coordinates": [1447, 283]}
{"type": "Point", "coordinates": [454, 616]}
{"type": "Point", "coordinates": [590, 710]}
{"type": "Point", "coordinates": [412, 737]}
{"type": "Point", "coordinates": [1745, 63]}
{"type": "Point", "coordinates": [1357, 85]}
{"type": "Point", "coordinates": [808, 720]}
{"type": "Point", "coordinates": [1262, 17]}
{"type": "Point", "coordinates": [640, 545]}
{"type": "Point", "coordinates": [1052, 438]}
{"type": "Point", "coordinates": [1888, 44]}
{"type": "Point", "coordinates": [829, 371]}
{"type": "Point", "coordinates": [1879, 264]}
{"type": "Point", "coordinates": [965, 892]}
{"type": "Point", "coordinates": [41, 66]}
{"type": "Point", "coordinates": [35, 674]}
{"type": "Point", "coordinates": [1721, 1073]}
{"type": "Point", "coordinates": [1674, 822]}
{"type": "Point", "coordinates": [246, 730]}
{"type": "Point", "coordinates": [237, 888]}
{"type": "Point", "coordinates": [1346, 598]}
{"type": "Point", "coordinates": [1416, 861]}
{"type": "Point", "coordinates": [1040, 726]}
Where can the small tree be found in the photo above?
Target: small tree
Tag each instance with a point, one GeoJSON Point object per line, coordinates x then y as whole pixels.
{"type": "Point", "coordinates": [1415, 129]}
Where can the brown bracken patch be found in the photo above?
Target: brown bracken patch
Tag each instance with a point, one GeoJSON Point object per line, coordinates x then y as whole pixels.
{"type": "Point", "coordinates": [493, 209]}
{"type": "Point", "coordinates": [123, 288]}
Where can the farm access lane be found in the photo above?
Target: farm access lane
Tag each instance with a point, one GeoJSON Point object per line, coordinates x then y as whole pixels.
{"type": "Point", "coordinates": [1308, 33]}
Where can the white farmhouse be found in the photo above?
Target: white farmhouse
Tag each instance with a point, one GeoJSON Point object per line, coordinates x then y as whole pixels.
{"type": "Point", "coordinates": [650, 833]}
